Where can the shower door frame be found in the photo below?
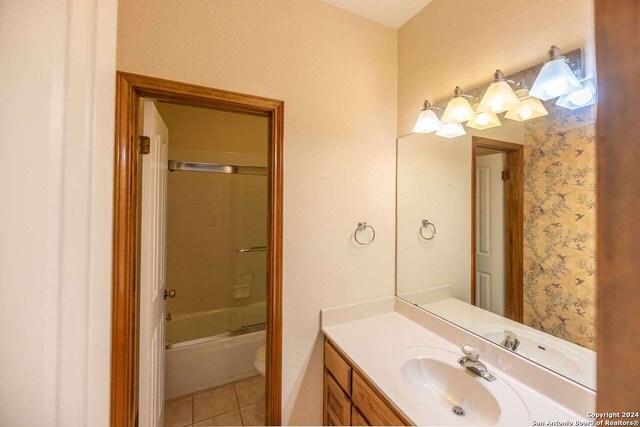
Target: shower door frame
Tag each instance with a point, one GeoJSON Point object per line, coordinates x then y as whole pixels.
{"type": "Point", "coordinates": [130, 88]}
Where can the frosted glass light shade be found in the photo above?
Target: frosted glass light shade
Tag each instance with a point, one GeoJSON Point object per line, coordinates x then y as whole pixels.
{"type": "Point", "coordinates": [451, 130]}
{"type": "Point", "coordinates": [427, 122]}
{"type": "Point", "coordinates": [499, 98]}
{"type": "Point", "coordinates": [555, 79]}
{"type": "Point", "coordinates": [584, 97]}
{"type": "Point", "coordinates": [482, 121]}
{"type": "Point", "coordinates": [458, 110]}
{"type": "Point", "coordinates": [529, 108]}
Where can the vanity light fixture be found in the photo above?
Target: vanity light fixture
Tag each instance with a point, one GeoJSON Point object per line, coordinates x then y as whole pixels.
{"type": "Point", "coordinates": [482, 120]}
{"type": "Point", "coordinates": [458, 109]}
{"type": "Point", "coordinates": [529, 107]}
{"type": "Point", "coordinates": [555, 78]}
{"type": "Point", "coordinates": [584, 97]}
{"type": "Point", "coordinates": [427, 121]}
{"type": "Point", "coordinates": [499, 97]}
{"type": "Point", "coordinates": [451, 130]}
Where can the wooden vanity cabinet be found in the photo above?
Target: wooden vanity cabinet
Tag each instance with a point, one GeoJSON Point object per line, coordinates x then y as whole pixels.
{"type": "Point", "coordinates": [356, 418]}
{"type": "Point", "coordinates": [350, 399]}
{"type": "Point", "coordinates": [337, 406]}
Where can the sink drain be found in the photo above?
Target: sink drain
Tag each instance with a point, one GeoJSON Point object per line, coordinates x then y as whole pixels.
{"type": "Point", "coordinates": [458, 411]}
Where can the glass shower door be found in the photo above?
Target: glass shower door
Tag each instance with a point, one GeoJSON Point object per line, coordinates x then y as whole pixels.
{"type": "Point", "coordinates": [216, 250]}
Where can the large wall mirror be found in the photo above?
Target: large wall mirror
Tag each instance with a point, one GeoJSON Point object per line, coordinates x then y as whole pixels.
{"type": "Point", "coordinates": [496, 227]}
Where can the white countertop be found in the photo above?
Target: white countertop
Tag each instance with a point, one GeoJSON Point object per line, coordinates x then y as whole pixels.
{"type": "Point", "coordinates": [372, 342]}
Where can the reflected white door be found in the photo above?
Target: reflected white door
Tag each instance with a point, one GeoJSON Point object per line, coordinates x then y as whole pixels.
{"type": "Point", "coordinates": [490, 233]}
{"type": "Point", "coordinates": [152, 269]}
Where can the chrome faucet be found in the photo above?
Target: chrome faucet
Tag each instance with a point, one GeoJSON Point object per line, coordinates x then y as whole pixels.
{"type": "Point", "coordinates": [510, 340]}
{"type": "Point", "coordinates": [471, 361]}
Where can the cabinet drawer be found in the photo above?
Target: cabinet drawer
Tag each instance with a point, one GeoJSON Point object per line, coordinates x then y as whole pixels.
{"type": "Point", "coordinates": [372, 406]}
{"type": "Point", "coordinates": [356, 418]}
{"type": "Point", "coordinates": [338, 367]}
{"type": "Point", "coordinates": [337, 406]}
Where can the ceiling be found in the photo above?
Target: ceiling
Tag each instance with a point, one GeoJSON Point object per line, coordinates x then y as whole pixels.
{"type": "Point", "coordinates": [392, 13]}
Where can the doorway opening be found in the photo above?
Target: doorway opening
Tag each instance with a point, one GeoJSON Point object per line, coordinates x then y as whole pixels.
{"type": "Point", "coordinates": [197, 329]}
{"type": "Point", "coordinates": [497, 192]}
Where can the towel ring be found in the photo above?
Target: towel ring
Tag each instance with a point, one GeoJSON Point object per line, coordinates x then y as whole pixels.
{"type": "Point", "coordinates": [361, 227]}
{"type": "Point", "coordinates": [425, 225]}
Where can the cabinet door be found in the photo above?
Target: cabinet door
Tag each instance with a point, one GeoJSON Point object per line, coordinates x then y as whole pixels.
{"type": "Point", "coordinates": [338, 367]}
{"type": "Point", "coordinates": [356, 418]}
{"type": "Point", "coordinates": [372, 406]}
{"type": "Point", "coordinates": [331, 419]}
{"type": "Point", "coordinates": [337, 406]}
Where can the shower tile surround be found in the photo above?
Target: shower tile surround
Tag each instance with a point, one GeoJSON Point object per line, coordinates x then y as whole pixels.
{"type": "Point", "coordinates": [209, 216]}
{"type": "Point", "coordinates": [205, 226]}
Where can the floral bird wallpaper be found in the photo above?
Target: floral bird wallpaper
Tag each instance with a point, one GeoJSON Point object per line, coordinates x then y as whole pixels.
{"type": "Point", "coordinates": [560, 224]}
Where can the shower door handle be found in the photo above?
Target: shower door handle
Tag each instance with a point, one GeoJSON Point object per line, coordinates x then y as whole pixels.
{"type": "Point", "coordinates": [169, 294]}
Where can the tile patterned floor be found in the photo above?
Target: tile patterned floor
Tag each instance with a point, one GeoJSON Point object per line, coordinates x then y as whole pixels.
{"type": "Point", "coordinates": [236, 404]}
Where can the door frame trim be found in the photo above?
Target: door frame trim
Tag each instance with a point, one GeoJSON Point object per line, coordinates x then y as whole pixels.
{"type": "Point", "coordinates": [617, 25]}
{"type": "Point", "coordinates": [130, 88]}
{"type": "Point", "coordinates": [513, 224]}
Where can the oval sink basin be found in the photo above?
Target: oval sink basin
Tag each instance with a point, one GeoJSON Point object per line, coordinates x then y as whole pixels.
{"type": "Point", "coordinates": [449, 388]}
{"type": "Point", "coordinates": [454, 395]}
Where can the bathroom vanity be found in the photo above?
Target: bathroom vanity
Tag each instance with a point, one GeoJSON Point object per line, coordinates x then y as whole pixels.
{"type": "Point", "coordinates": [493, 323]}
{"type": "Point", "coordinates": [387, 362]}
{"type": "Point", "coordinates": [351, 400]}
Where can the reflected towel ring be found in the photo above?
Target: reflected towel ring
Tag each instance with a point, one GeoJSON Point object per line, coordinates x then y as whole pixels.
{"type": "Point", "coordinates": [425, 225]}
{"type": "Point", "coordinates": [361, 227]}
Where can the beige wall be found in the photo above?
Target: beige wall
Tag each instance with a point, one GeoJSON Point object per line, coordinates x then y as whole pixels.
{"type": "Point", "coordinates": [57, 143]}
{"type": "Point", "coordinates": [434, 183]}
{"type": "Point", "coordinates": [214, 130]}
{"type": "Point", "coordinates": [336, 73]}
{"type": "Point", "coordinates": [462, 42]}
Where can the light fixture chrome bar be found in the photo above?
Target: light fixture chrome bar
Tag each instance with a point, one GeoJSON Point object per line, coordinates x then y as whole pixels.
{"type": "Point", "coordinates": [177, 165]}
{"type": "Point", "coordinates": [252, 249]}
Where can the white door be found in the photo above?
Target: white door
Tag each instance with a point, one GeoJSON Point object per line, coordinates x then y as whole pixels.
{"type": "Point", "coordinates": [490, 233]}
{"type": "Point", "coordinates": [152, 269]}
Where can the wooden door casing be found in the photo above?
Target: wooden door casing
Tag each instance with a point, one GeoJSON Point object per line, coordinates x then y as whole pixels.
{"type": "Point", "coordinates": [130, 88]}
{"type": "Point", "coordinates": [617, 32]}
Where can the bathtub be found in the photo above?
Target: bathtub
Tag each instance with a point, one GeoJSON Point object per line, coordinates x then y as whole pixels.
{"type": "Point", "coordinates": [205, 350]}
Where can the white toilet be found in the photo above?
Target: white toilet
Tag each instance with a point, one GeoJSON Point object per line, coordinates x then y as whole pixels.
{"type": "Point", "coordinates": [261, 359]}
